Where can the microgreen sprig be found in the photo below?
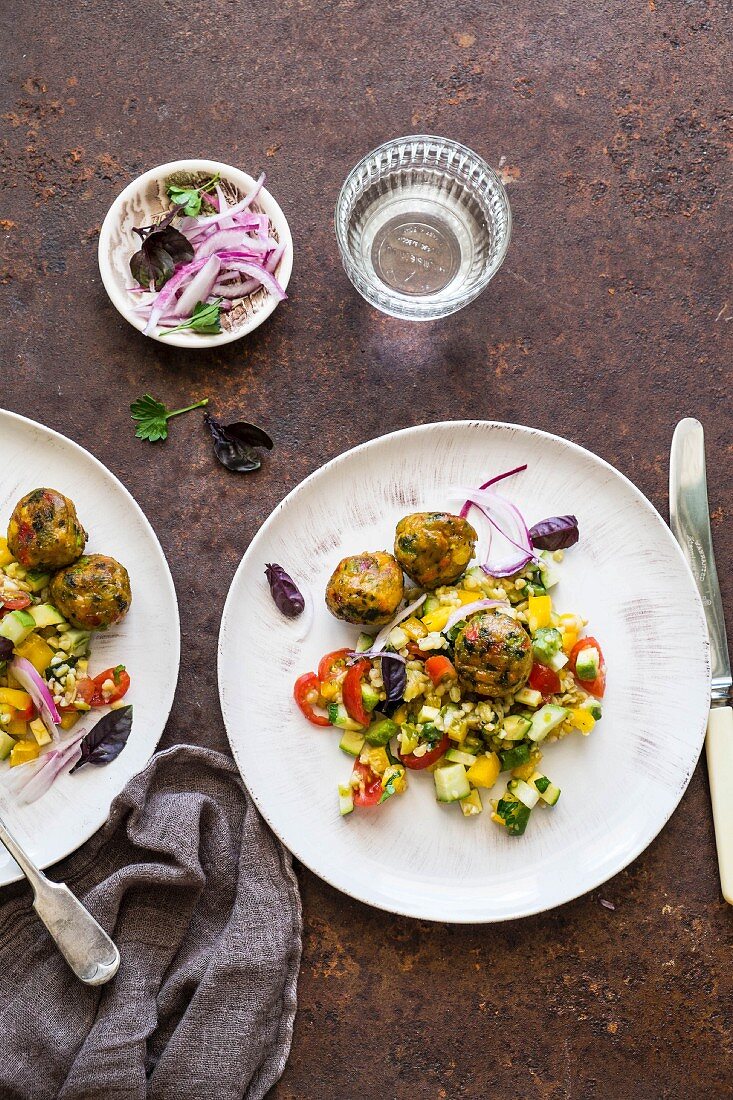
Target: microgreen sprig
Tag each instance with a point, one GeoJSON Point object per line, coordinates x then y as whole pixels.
{"type": "Point", "coordinates": [152, 417]}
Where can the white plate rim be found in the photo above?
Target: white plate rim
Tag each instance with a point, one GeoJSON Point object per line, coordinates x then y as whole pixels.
{"type": "Point", "coordinates": [251, 550]}
{"type": "Point", "coordinates": [89, 458]}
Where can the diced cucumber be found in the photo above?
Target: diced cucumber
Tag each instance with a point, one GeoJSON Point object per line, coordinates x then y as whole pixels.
{"type": "Point", "coordinates": [381, 731]}
{"type": "Point", "coordinates": [548, 566]}
{"type": "Point", "coordinates": [36, 580]}
{"type": "Point", "coordinates": [432, 603]}
{"type": "Point", "coordinates": [75, 642]}
{"type": "Point", "coordinates": [546, 642]}
{"type": "Point", "coordinates": [527, 795]}
{"type": "Point", "coordinates": [514, 813]}
{"type": "Point", "coordinates": [594, 707]}
{"type": "Point", "coordinates": [428, 714]}
{"type": "Point", "coordinates": [398, 639]}
{"type": "Point", "coordinates": [6, 745]}
{"type": "Point", "coordinates": [558, 661]}
{"type": "Point", "coordinates": [549, 793]}
{"type": "Point", "coordinates": [346, 799]}
{"type": "Point", "coordinates": [352, 742]}
{"type": "Point", "coordinates": [451, 783]}
{"type": "Point", "coordinates": [45, 614]}
{"type": "Point", "coordinates": [369, 696]}
{"type": "Point", "coordinates": [588, 663]}
{"type": "Point", "coordinates": [529, 697]}
{"type": "Point", "coordinates": [515, 727]}
{"type": "Point", "coordinates": [339, 716]}
{"type": "Point", "coordinates": [363, 643]}
{"type": "Point", "coordinates": [457, 757]}
{"type": "Point", "coordinates": [512, 758]}
{"type": "Point", "coordinates": [472, 804]}
{"type": "Point", "coordinates": [546, 720]}
{"type": "Point", "coordinates": [16, 626]}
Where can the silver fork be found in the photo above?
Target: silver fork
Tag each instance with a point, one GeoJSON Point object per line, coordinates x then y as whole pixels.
{"type": "Point", "coordinates": [85, 945]}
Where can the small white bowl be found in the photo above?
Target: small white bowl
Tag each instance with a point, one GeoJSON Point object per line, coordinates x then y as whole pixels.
{"type": "Point", "coordinates": [139, 204]}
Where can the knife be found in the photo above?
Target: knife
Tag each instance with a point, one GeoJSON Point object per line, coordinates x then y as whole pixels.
{"type": "Point", "coordinates": [690, 521]}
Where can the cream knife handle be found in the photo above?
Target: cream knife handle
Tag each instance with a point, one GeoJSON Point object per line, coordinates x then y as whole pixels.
{"type": "Point", "coordinates": [719, 748]}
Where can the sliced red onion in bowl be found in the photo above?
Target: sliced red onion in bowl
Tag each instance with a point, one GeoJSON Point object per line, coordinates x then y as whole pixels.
{"type": "Point", "coordinates": [30, 680]}
{"type": "Point", "coordinates": [200, 287]}
{"type": "Point", "coordinates": [471, 609]}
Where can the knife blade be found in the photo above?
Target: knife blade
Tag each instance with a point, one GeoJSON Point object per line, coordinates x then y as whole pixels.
{"type": "Point", "coordinates": [690, 522]}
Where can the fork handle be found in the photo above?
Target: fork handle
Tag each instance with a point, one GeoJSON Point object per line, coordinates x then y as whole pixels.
{"type": "Point", "coordinates": [719, 750]}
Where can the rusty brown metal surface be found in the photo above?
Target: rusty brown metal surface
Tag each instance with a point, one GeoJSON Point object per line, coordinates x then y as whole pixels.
{"type": "Point", "coordinates": [610, 320]}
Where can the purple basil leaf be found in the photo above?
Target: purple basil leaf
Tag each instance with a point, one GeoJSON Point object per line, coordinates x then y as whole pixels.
{"type": "Point", "coordinates": [107, 739]}
{"type": "Point", "coordinates": [178, 247]}
{"type": "Point", "coordinates": [249, 434]}
{"type": "Point", "coordinates": [232, 449]}
{"type": "Point", "coordinates": [556, 533]}
{"type": "Point", "coordinates": [163, 248]}
{"type": "Point", "coordinates": [394, 677]}
{"type": "Point", "coordinates": [6, 649]}
{"type": "Point", "coordinates": [285, 591]}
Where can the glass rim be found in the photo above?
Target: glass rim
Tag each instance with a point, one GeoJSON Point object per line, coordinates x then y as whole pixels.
{"type": "Point", "coordinates": [464, 297]}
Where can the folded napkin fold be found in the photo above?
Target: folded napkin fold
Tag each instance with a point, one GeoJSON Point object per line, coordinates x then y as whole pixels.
{"type": "Point", "coordinates": [203, 904]}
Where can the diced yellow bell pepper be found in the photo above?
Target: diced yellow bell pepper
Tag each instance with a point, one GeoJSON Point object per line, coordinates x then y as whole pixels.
{"type": "Point", "coordinates": [23, 751]}
{"type": "Point", "coordinates": [39, 731]}
{"type": "Point", "coordinates": [524, 771]}
{"type": "Point", "coordinates": [539, 612]}
{"type": "Point", "coordinates": [583, 720]}
{"type": "Point", "coordinates": [485, 772]}
{"type": "Point", "coordinates": [16, 727]}
{"type": "Point", "coordinates": [436, 620]}
{"type": "Point", "coordinates": [68, 721]}
{"type": "Point", "coordinates": [329, 690]}
{"type": "Point", "coordinates": [6, 558]}
{"type": "Point", "coordinates": [396, 772]}
{"type": "Point", "coordinates": [413, 628]}
{"type": "Point", "coordinates": [376, 758]}
{"type": "Point", "coordinates": [400, 716]}
{"type": "Point", "coordinates": [14, 697]}
{"type": "Point", "coordinates": [569, 627]}
{"type": "Point", "coordinates": [36, 650]}
{"type": "Point", "coordinates": [467, 597]}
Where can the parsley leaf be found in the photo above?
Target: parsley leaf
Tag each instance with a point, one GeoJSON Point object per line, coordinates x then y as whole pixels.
{"type": "Point", "coordinates": [190, 198]}
{"type": "Point", "coordinates": [152, 417]}
{"type": "Point", "coordinates": [204, 319]}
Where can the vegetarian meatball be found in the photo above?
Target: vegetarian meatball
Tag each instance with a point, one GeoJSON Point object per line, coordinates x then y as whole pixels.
{"type": "Point", "coordinates": [493, 654]}
{"type": "Point", "coordinates": [44, 532]}
{"type": "Point", "coordinates": [93, 593]}
{"type": "Point", "coordinates": [366, 588]}
{"type": "Point", "coordinates": [434, 548]}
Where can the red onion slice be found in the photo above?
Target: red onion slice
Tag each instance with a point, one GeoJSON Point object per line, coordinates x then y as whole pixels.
{"type": "Point", "coordinates": [381, 639]}
{"type": "Point", "coordinates": [37, 688]}
{"type": "Point", "coordinates": [510, 547]}
{"type": "Point", "coordinates": [470, 609]}
{"type": "Point", "coordinates": [199, 289]}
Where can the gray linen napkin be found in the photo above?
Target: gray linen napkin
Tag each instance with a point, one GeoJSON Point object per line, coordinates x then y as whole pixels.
{"type": "Point", "coordinates": [203, 904]}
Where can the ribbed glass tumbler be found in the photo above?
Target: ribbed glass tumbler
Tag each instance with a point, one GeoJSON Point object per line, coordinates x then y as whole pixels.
{"type": "Point", "coordinates": [423, 225]}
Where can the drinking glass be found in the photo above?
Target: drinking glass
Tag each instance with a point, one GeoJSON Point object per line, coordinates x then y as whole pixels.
{"type": "Point", "coordinates": [423, 225]}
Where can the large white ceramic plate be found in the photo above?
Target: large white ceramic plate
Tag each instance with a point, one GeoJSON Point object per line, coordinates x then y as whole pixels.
{"type": "Point", "coordinates": [147, 641]}
{"type": "Point", "coordinates": [619, 786]}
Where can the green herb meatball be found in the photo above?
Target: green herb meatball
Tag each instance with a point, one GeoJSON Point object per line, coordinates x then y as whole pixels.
{"type": "Point", "coordinates": [93, 593]}
{"type": "Point", "coordinates": [493, 654]}
{"type": "Point", "coordinates": [366, 588]}
{"type": "Point", "coordinates": [44, 532]}
{"type": "Point", "coordinates": [434, 548]}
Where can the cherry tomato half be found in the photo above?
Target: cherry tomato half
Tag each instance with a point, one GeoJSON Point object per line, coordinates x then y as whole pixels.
{"type": "Point", "coordinates": [302, 688]}
{"type": "Point", "coordinates": [440, 669]}
{"type": "Point", "coordinates": [85, 688]}
{"type": "Point", "coordinates": [16, 603]}
{"type": "Point", "coordinates": [331, 664]}
{"type": "Point", "coordinates": [595, 687]}
{"type": "Point", "coordinates": [369, 792]}
{"type": "Point", "coordinates": [417, 763]}
{"type": "Point", "coordinates": [121, 680]}
{"type": "Point", "coordinates": [352, 692]}
{"type": "Point", "coordinates": [544, 679]}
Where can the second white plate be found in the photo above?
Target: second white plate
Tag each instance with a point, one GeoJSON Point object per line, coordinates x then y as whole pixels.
{"type": "Point", "coordinates": [619, 786]}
